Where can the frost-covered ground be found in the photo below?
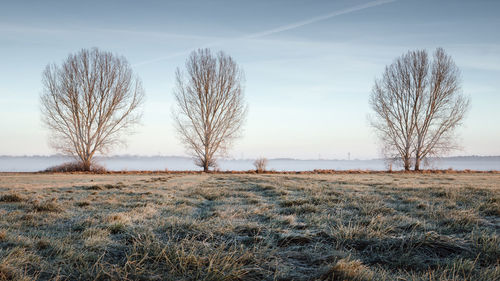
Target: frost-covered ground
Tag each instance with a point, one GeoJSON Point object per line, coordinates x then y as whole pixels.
{"type": "Point", "coordinates": [250, 227]}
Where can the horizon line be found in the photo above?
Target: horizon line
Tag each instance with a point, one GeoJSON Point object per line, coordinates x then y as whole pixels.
{"type": "Point", "coordinates": [238, 159]}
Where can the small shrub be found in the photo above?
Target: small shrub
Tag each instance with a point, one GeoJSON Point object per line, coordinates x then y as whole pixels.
{"type": "Point", "coordinates": [260, 165]}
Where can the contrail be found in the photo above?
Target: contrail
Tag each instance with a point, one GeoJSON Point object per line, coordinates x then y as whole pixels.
{"type": "Point", "coordinates": [276, 30]}
{"type": "Point", "coordinates": [317, 19]}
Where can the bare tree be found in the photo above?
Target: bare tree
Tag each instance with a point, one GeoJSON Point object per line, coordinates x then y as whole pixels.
{"type": "Point", "coordinates": [260, 165]}
{"type": "Point", "coordinates": [418, 105]}
{"type": "Point", "coordinates": [210, 105]}
{"type": "Point", "coordinates": [89, 102]}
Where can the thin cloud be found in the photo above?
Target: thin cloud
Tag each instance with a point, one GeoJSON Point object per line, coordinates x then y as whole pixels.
{"type": "Point", "coordinates": [275, 30]}
{"type": "Point", "coordinates": [16, 29]}
{"type": "Point", "coordinates": [157, 34]}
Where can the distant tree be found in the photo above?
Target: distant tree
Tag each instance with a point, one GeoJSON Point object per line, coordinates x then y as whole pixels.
{"type": "Point", "coordinates": [88, 102]}
{"type": "Point", "coordinates": [418, 105]}
{"type": "Point", "coordinates": [210, 105]}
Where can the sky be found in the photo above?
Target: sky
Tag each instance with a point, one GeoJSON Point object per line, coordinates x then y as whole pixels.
{"type": "Point", "coordinates": [309, 66]}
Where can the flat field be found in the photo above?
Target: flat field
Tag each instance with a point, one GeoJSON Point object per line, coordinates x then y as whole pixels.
{"type": "Point", "coordinates": [250, 227]}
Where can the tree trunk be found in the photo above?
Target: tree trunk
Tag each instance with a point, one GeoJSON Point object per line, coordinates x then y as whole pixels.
{"type": "Point", "coordinates": [418, 156]}
{"type": "Point", "coordinates": [417, 163]}
{"type": "Point", "coordinates": [205, 167]}
{"type": "Point", "coordinates": [86, 165]}
{"type": "Point", "coordinates": [407, 164]}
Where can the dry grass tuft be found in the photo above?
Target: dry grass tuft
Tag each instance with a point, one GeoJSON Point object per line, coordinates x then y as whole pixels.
{"type": "Point", "coordinates": [82, 203]}
{"type": "Point", "coordinates": [11, 198]}
{"type": "Point", "coordinates": [11, 262]}
{"type": "Point", "coordinates": [175, 260]}
{"type": "Point", "coordinates": [6, 273]}
{"type": "Point", "coordinates": [116, 228]}
{"type": "Point", "coordinates": [491, 207]}
{"type": "Point", "coordinates": [46, 206]}
{"type": "Point", "coordinates": [346, 269]}
{"type": "Point", "coordinates": [95, 187]}
{"type": "Point", "coordinates": [42, 244]}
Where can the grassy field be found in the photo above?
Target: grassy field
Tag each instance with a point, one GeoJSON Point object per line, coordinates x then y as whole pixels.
{"type": "Point", "coordinates": [250, 227]}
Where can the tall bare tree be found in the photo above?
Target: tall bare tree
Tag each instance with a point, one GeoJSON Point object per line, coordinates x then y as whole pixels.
{"type": "Point", "coordinates": [418, 104]}
{"type": "Point", "coordinates": [210, 105]}
{"type": "Point", "coordinates": [89, 102]}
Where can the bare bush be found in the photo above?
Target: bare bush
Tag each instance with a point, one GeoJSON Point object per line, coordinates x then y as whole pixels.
{"type": "Point", "coordinates": [88, 102]}
{"type": "Point", "coordinates": [210, 105]}
{"type": "Point", "coordinates": [75, 167]}
{"type": "Point", "coordinates": [260, 165]}
{"type": "Point", "coordinates": [418, 105]}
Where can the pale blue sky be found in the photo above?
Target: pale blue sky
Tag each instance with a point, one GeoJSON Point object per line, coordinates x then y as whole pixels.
{"type": "Point", "coordinates": [309, 65]}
